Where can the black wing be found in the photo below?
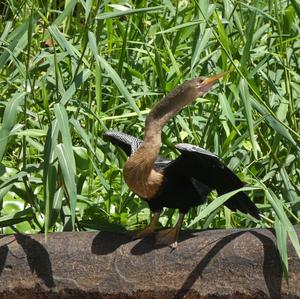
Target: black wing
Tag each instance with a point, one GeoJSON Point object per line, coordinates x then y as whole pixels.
{"type": "Point", "coordinates": [127, 143]}
{"type": "Point", "coordinates": [130, 144]}
{"type": "Point", "coordinates": [209, 170]}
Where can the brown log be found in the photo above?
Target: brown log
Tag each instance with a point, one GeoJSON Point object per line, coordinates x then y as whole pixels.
{"type": "Point", "coordinates": [208, 264]}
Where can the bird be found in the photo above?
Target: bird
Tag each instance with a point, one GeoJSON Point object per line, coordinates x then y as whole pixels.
{"type": "Point", "coordinates": [180, 183]}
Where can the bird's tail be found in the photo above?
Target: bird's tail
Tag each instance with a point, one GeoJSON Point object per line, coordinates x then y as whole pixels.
{"type": "Point", "coordinates": [242, 202]}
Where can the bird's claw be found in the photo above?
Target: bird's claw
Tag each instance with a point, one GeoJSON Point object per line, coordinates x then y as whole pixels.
{"type": "Point", "coordinates": [174, 245]}
{"type": "Point", "coordinates": [167, 237]}
{"type": "Point", "coordinates": [142, 233]}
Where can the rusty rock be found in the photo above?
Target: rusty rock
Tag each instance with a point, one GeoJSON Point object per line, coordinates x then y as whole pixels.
{"type": "Point", "coordinates": [208, 264]}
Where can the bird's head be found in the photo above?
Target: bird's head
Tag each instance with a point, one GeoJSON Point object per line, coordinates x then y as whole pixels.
{"type": "Point", "coordinates": [180, 97]}
{"type": "Point", "coordinates": [197, 87]}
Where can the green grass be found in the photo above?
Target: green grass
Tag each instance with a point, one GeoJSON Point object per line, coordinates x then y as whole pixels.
{"type": "Point", "coordinates": [70, 71]}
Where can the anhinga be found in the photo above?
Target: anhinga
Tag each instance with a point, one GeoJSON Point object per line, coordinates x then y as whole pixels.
{"type": "Point", "coordinates": [181, 183]}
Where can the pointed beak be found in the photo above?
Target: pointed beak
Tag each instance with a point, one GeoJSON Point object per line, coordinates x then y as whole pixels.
{"type": "Point", "coordinates": [208, 82]}
{"type": "Point", "coordinates": [214, 78]}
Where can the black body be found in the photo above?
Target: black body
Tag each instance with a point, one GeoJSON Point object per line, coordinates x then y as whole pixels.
{"type": "Point", "coordinates": [190, 178]}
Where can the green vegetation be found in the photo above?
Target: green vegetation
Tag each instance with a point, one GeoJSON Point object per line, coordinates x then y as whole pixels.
{"type": "Point", "coordinates": [69, 71]}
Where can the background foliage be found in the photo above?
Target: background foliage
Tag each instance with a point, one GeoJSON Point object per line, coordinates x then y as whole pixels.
{"type": "Point", "coordinates": [71, 70]}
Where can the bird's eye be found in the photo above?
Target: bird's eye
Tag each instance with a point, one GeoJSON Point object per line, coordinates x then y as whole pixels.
{"type": "Point", "coordinates": [201, 79]}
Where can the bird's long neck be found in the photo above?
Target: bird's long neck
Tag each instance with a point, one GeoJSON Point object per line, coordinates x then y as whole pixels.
{"type": "Point", "coordinates": [139, 171]}
{"type": "Point", "coordinates": [166, 108]}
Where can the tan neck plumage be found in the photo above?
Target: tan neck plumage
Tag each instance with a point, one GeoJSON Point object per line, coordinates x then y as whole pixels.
{"type": "Point", "coordinates": [139, 173]}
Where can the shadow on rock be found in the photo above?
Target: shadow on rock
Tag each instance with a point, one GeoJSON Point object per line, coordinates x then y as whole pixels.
{"type": "Point", "coordinates": [38, 259]}
{"type": "Point", "coordinates": [271, 267]}
{"type": "Point", "coordinates": [100, 246]}
{"type": "Point", "coordinates": [3, 256]}
{"type": "Point", "coordinates": [198, 270]}
{"type": "Point", "coordinates": [148, 244]}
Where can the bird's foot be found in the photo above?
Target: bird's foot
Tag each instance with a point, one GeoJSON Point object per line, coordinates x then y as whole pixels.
{"type": "Point", "coordinates": [139, 234]}
{"type": "Point", "coordinates": [148, 230]}
{"type": "Point", "coordinates": [167, 237]}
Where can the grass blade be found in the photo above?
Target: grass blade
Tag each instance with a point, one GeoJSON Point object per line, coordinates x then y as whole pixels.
{"type": "Point", "coordinates": [249, 37]}
{"type": "Point", "coordinates": [17, 217]}
{"type": "Point", "coordinates": [69, 178]}
{"type": "Point", "coordinates": [244, 92]}
{"type": "Point", "coordinates": [281, 239]}
{"type": "Point", "coordinates": [78, 81]}
{"type": "Point", "coordinates": [114, 76]}
{"type": "Point", "coordinates": [216, 203]}
{"type": "Point", "coordinates": [201, 44]}
{"type": "Point", "coordinates": [63, 124]}
{"type": "Point", "coordinates": [285, 222]}
{"type": "Point", "coordinates": [109, 15]}
{"type": "Point", "coordinates": [226, 108]}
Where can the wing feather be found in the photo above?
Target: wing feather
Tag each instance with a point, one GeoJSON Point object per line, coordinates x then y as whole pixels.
{"type": "Point", "coordinates": [208, 169]}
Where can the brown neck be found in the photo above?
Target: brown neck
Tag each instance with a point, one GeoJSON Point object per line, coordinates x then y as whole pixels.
{"type": "Point", "coordinates": [138, 171]}
{"type": "Point", "coordinates": [166, 108]}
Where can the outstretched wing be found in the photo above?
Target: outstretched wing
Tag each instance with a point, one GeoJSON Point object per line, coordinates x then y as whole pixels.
{"type": "Point", "coordinates": [130, 144]}
{"type": "Point", "coordinates": [126, 142]}
{"type": "Point", "coordinates": [208, 169]}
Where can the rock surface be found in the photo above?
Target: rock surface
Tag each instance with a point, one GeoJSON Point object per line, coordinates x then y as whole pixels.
{"type": "Point", "coordinates": [208, 264]}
